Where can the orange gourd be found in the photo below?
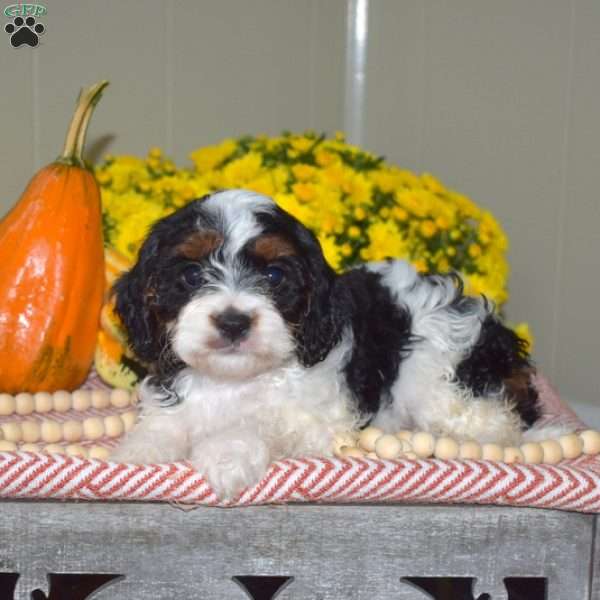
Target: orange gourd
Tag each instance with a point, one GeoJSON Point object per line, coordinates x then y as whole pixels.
{"type": "Point", "coordinates": [52, 270]}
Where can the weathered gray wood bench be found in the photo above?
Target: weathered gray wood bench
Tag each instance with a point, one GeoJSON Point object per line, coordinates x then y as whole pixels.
{"type": "Point", "coordinates": [307, 552]}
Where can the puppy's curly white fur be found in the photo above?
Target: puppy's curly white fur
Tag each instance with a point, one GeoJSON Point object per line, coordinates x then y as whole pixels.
{"type": "Point", "coordinates": [257, 350]}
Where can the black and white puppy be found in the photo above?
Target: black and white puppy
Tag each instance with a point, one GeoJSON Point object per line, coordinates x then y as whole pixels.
{"type": "Point", "coordinates": [259, 351]}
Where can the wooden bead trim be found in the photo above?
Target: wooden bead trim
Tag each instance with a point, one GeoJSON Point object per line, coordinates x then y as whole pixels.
{"type": "Point", "coordinates": [51, 432]}
{"type": "Point", "coordinates": [63, 401]}
{"type": "Point", "coordinates": [374, 443]}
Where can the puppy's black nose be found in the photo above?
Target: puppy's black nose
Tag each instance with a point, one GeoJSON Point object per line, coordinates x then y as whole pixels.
{"type": "Point", "coordinates": [232, 324]}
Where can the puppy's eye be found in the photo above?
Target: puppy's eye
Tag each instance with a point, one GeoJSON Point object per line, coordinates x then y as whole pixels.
{"type": "Point", "coordinates": [274, 275]}
{"type": "Point", "coordinates": [192, 275]}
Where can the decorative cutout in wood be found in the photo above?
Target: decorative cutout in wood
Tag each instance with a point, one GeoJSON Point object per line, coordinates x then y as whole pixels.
{"type": "Point", "coordinates": [8, 583]}
{"type": "Point", "coordinates": [62, 586]}
{"type": "Point", "coordinates": [262, 587]}
{"type": "Point", "coordinates": [526, 588]}
{"type": "Point", "coordinates": [461, 588]}
{"type": "Point", "coordinates": [446, 588]}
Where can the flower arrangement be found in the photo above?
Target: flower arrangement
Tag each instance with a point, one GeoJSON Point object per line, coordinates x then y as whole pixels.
{"type": "Point", "coordinates": [360, 207]}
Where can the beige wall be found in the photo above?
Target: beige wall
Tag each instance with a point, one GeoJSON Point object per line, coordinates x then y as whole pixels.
{"type": "Point", "coordinates": [499, 98]}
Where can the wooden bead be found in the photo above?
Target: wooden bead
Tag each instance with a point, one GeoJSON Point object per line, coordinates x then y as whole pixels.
{"type": "Point", "coordinates": [388, 446]}
{"type": "Point", "coordinates": [410, 456]}
{"type": "Point", "coordinates": [446, 448]}
{"type": "Point", "coordinates": [552, 452]}
{"type": "Point", "coordinates": [113, 426]}
{"type": "Point", "coordinates": [29, 447]}
{"type": "Point", "coordinates": [591, 441]}
{"type": "Point", "coordinates": [99, 453]}
{"type": "Point", "coordinates": [423, 444]}
{"type": "Point", "coordinates": [100, 399]}
{"type": "Point", "coordinates": [342, 438]}
{"type": "Point", "coordinates": [51, 432]}
{"type": "Point", "coordinates": [43, 402]}
{"type": "Point", "coordinates": [11, 432]}
{"type": "Point", "coordinates": [81, 400]}
{"type": "Point", "coordinates": [25, 404]}
{"type": "Point", "coordinates": [120, 398]}
{"type": "Point", "coordinates": [53, 449]}
{"type": "Point", "coordinates": [72, 431]}
{"type": "Point", "coordinates": [351, 452]}
{"type": "Point", "coordinates": [405, 435]}
{"type": "Point", "coordinates": [61, 401]}
{"type": "Point", "coordinates": [469, 450]}
{"type": "Point", "coordinates": [129, 419]}
{"type": "Point", "coordinates": [7, 405]}
{"type": "Point", "coordinates": [571, 445]}
{"type": "Point", "coordinates": [513, 455]}
{"type": "Point", "coordinates": [492, 452]}
{"type": "Point", "coordinates": [368, 437]}
{"type": "Point", "coordinates": [93, 428]}
{"type": "Point", "coordinates": [30, 431]}
{"type": "Point", "coordinates": [7, 446]}
{"type": "Point", "coordinates": [76, 450]}
{"type": "Point", "coordinates": [532, 453]}
{"type": "Point", "coordinates": [372, 455]}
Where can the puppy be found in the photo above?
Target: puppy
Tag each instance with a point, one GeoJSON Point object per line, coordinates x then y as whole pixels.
{"type": "Point", "coordinates": [258, 350]}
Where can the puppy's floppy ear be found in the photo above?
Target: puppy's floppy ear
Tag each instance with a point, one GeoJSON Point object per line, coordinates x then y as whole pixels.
{"type": "Point", "coordinates": [134, 298]}
{"type": "Point", "coordinates": [321, 326]}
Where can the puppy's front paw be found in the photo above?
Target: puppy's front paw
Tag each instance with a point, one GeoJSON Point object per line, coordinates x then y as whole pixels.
{"type": "Point", "coordinates": [231, 464]}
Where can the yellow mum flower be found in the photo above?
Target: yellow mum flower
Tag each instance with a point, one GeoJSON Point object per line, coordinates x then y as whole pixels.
{"type": "Point", "coordinates": [303, 172]}
{"type": "Point", "coordinates": [442, 222]}
{"type": "Point", "coordinates": [239, 172]}
{"type": "Point", "coordinates": [358, 188]}
{"type": "Point", "coordinates": [400, 213]}
{"type": "Point", "coordinates": [420, 265]}
{"type": "Point", "coordinates": [290, 204]}
{"type": "Point", "coordinates": [432, 184]}
{"type": "Point", "coordinates": [332, 252]}
{"type": "Point", "coordinates": [302, 144]}
{"type": "Point", "coordinates": [304, 191]}
{"type": "Point", "coordinates": [474, 250]}
{"type": "Point", "coordinates": [385, 240]}
{"type": "Point", "coordinates": [428, 228]}
{"type": "Point", "coordinates": [262, 185]}
{"type": "Point", "coordinates": [360, 214]}
{"type": "Point", "coordinates": [387, 180]}
{"type": "Point", "coordinates": [353, 232]}
{"type": "Point", "coordinates": [325, 158]}
{"type": "Point", "coordinates": [210, 157]}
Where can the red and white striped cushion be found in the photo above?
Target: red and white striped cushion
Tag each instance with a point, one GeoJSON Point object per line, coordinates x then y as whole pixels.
{"type": "Point", "coordinates": [571, 485]}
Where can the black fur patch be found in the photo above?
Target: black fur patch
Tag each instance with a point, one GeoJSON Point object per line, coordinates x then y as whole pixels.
{"type": "Point", "coordinates": [500, 360]}
{"type": "Point", "coordinates": [382, 338]}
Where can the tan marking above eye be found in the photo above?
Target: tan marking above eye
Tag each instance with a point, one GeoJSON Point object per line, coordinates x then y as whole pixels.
{"type": "Point", "coordinates": [199, 244]}
{"type": "Point", "coordinates": [272, 246]}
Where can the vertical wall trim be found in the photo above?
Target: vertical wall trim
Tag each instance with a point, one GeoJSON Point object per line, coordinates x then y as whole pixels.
{"type": "Point", "coordinates": [562, 203]}
{"type": "Point", "coordinates": [169, 77]}
{"type": "Point", "coordinates": [35, 117]}
{"type": "Point", "coordinates": [424, 71]}
{"type": "Point", "coordinates": [312, 64]}
{"type": "Point", "coordinates": [357, 28]}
